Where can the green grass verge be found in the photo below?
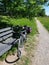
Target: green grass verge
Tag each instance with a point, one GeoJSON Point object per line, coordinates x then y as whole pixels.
{"type": "Point", "coordinates": [44, 21]}
{"type": "Point", "coordinates": [19, 21]}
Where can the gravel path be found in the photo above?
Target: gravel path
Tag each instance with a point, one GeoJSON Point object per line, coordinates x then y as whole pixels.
{"type": "Point", "coordinates": [42, 53]}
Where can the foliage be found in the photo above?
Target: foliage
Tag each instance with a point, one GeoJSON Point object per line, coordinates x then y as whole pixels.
{"type": "Point", "coordinates": [19, 21]}
{"type": "Point", "coordinates": [24, 8]}
{"type": "Point", "coordinates": [45, 21]}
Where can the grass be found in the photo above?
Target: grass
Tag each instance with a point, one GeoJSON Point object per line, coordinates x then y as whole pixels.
{"type": "Point", "coordinates": [30, 44]}
{"type": "Point", "coordinates": [21, 22]}
{"type": "Point", "coordinates": [45, 21]}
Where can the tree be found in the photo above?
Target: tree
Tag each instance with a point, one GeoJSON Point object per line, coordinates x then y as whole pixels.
{"type": "Point", "coordinates": [25, 7]}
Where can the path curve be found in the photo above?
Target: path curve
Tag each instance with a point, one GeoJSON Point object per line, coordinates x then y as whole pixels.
{"type": "Point", "coordinates": [42, 53]}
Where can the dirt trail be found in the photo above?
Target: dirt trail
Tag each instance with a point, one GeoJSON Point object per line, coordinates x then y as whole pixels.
{"type": "Point", "coordinates": [42, 53]}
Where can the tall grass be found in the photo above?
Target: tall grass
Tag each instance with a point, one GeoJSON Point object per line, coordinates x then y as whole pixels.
{"type": "Point", "coordinates": [44, 21]}
{"type": "Point", "coordinates": [21, 22]}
